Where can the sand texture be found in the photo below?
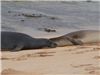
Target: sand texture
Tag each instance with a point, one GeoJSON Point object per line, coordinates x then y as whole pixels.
{"type": "Point", "coordinates": [61, 60]}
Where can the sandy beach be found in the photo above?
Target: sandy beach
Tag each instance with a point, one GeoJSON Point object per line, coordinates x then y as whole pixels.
{"type": "Point", "coordinates": [61, 60]}
{"type": "Point", "coordinates": [33, 18]}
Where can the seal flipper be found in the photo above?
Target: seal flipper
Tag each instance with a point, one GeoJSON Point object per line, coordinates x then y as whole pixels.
{"type": "Point", "coordinates": [17, 48]}
{"type": "Point", "coordinates": [75, 41]}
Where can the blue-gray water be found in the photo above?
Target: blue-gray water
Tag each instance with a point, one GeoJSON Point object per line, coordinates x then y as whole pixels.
{"type": "Point", "coordinates": [67, 16]}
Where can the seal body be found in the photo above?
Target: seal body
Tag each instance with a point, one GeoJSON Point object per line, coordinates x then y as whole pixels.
{"type": "Point", "coordinates": [78, 38]}
{"type": "Point", "coordinates": [15, 41]}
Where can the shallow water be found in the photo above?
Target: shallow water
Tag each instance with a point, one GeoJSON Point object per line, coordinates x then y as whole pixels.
{"type": "Point", "coordinates": [64, 17]}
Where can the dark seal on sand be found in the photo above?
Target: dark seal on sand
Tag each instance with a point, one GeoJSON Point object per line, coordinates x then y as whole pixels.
{"type": "Point", "coordinates": [16, 41]}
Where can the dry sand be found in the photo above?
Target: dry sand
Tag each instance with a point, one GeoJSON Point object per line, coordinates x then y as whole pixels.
{"type": "Point", "coordinates": [70, 60]}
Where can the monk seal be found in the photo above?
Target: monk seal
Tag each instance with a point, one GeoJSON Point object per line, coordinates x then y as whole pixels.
{"type": "Point", "coordinates": [78, 38]}
{"type": "Point", "coordinates": [16, 41]}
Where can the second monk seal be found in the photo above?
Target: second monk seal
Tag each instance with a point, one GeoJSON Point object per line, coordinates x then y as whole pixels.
{"type": "Point", "coordinates": [78, 38]}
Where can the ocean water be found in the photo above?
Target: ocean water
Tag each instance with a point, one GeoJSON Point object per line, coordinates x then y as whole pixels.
{"type": "Point", "coordinates": [63, 17]}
